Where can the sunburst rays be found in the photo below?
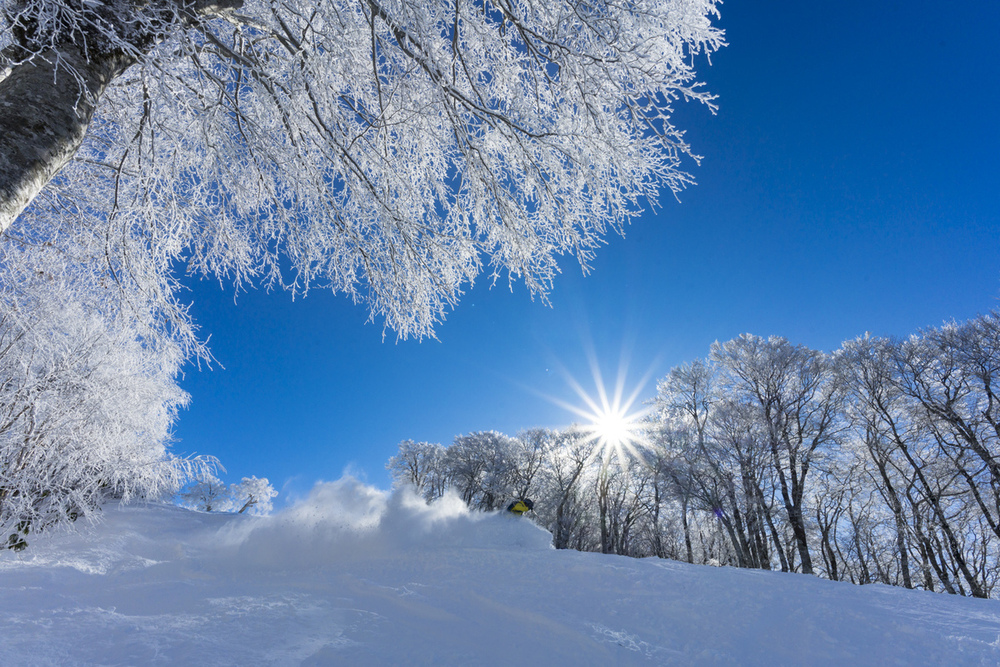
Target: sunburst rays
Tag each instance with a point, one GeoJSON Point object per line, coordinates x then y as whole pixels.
{"type": "Point", "coordinates": [611, 419]}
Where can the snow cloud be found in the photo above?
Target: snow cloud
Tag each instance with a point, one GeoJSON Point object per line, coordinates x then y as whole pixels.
{"type": "Point", "coordinates": [348, 520]}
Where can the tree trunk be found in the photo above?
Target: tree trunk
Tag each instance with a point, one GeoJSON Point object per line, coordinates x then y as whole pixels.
{"type": "Point", "coordinates": [46, 105]}
{"type": "Point", "coordinates": [48, 94]}
{"type": "Point", "coordinates": [900, 521]}
{"type": "Point", "coordinates": [688, 550]}
{"type": "Point", "coordinates": [954, 547]}
{"type": "Point", "coordinates": [793, 504]}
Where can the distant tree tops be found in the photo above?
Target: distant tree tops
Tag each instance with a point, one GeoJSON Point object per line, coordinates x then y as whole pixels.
{"type": "Point", "coordinates": [879, 462]}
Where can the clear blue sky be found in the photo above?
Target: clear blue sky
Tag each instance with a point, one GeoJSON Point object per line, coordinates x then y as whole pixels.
{"type": "Point", "coordinates": [850, 184]}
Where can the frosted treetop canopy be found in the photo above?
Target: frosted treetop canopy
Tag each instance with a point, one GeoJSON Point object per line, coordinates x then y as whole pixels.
{"type": "Point", "coordinates": [384, 148]}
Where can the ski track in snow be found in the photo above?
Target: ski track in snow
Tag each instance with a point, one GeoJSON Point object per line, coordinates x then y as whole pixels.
{"type": "Point", "coordinates": [355, 576]}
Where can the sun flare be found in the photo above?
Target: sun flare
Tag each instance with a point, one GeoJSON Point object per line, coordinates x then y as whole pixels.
{"type": "Point", "coordinates": [610, 419]}
{"type": "Point", "coordinates": [616, 431]}
{"type": "Point", "coordinates": [613, 428]}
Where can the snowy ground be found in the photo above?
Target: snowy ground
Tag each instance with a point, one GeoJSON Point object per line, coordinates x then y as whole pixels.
{"type": "Point", "coordinates": [355, 576]}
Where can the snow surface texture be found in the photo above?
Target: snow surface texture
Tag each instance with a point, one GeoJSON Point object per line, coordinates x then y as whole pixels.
{"type": "Point", "coordinates": [357, 576]}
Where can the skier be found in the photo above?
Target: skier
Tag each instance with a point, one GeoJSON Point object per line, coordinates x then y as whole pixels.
{"type": "Point", "coordinates": [520, 506]}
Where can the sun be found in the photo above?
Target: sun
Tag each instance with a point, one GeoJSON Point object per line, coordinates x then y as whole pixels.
{"type": "Point", "coordinates": [613, 428]}
{"type": "Point", "coordinates": [610, 419]}
{"type": "Point", "coordinates": [616, 431]}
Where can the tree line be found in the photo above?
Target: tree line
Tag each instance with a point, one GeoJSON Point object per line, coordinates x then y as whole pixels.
{"type": "Point", "coordinates": [876, 463]}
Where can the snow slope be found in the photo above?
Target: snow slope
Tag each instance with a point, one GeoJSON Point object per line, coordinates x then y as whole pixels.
{"type": "Point", "coordinates": [356, 576]}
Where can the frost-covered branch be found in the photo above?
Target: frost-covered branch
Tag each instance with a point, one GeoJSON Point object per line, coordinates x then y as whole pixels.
{"type": "Point", "coordinates": [387, 150]}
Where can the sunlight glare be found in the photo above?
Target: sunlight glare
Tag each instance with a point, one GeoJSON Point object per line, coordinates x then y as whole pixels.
{"type": "Point", "coordinates": [613, 427]}
{"type": "Point", "coordinates": [610, 420]}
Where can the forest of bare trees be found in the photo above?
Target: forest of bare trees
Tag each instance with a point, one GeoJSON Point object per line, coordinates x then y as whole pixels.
{"type": "Point", "coordinates": [877, 463]}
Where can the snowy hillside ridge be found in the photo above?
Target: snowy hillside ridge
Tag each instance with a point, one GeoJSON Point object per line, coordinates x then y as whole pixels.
{"type": "Point", "coordinates": [342, 520]}
{"type": "Point", "coordinates": [353, 575]}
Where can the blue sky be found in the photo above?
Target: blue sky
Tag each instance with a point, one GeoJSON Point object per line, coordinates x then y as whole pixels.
{"type": "Point", "coordinates": [850, 183]}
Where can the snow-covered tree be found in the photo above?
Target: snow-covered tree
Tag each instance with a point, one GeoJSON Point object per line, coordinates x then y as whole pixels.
{"type": "Point", "coordinates": [481, 468]}
{"type": "Point", "coordinates": [87, 389]}
{"type": "Point", "coordinates": [420, 465]}
{"type": "Point", "coordinates": [384, 148]}
{"type": "Point", "coordinates": [252, 495]}
{"type": "Point", "coordinates": [205, 493]}
{"type": "Point", "coordinates": [208, 493]}
{"type": "Point", "coordinates": [798, 403]}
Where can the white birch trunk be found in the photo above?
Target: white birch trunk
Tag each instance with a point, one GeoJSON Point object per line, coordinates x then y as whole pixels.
{"type": "Point", "coordinates": [46, 105]}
